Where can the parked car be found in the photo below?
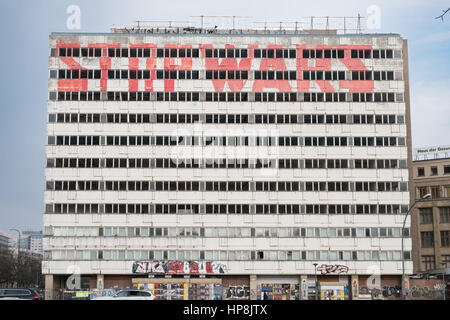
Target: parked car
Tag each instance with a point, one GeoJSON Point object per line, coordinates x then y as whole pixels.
{"type": "Point", "coordinates": [19, 293]}
{"type": "Point", "coordinates": [129, 295]}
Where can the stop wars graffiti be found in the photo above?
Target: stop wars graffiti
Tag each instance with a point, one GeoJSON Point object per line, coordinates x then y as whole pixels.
{"type": "Point", "coordinates": [345, 62]}
{"type": "Point", "coordinates": [178, 267]}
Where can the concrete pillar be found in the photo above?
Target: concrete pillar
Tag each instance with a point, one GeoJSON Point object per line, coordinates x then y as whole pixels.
{"type": "Point", "coordinates": [304, 287]}
{"type": "Point", "coordinates": [405, 294]}
{"type": "Point", "coordinates": [100, 282]}
{"type": "Point", "coordinates": [49, 287]}
{"type": "Point", "coordinates": [355, 287]}
{"type": "Point", "coordinates": [253, 287]}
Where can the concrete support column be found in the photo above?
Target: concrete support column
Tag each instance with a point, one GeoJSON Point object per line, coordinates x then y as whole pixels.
{"type": "Point", "coordinates": [100, 282]}
{"type": "Point", "coordinates": [355, 287]}
{"type": "Point", "coordinates": [304, 287]}
{"type": "Point", "coordinates": [253, 286]}
{"type": "Point", "coordinates": [49, 287]}
{"type": "Point", "coordinates": [405, 293]}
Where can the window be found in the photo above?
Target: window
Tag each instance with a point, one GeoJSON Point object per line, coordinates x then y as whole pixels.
{"type": "Point", "coordinates": [434, 171]}
{"type": "Point", "coordinates": [436, 192]}
{"type": "Point", "coordinates": [445, 238]}
{"type": "Point", "coordinates": [420, 172]}
{"type": "Point", "coordinates": [426, 215]}
{"type": "Point", "coordinates": [446, 169]}
{"type": "Point", "coordinates": [446, 260]}
{"type": "Point", "coordinates": [447, 191]}
{"type": "Point", "coordinates": [427, 239]}
{"type": "Point", "coordinates": [444, 214]}
{"type": "Point", "coordinates": [428, 263]}
{"type": "Point", "coordinates": [421, 192]}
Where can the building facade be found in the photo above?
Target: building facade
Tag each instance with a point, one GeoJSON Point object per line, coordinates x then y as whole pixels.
{"type": "Point", "coordinates": [430, 218]}
{"type": "Point", "coordinates": [228, 165]}
{"type": "Point", "coordinates": [5, 241]}
{"type": "Point", "coordinates": [31, 241]}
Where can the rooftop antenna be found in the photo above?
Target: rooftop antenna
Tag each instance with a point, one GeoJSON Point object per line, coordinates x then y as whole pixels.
{"type": "Point", "coordinates": [358, 27]}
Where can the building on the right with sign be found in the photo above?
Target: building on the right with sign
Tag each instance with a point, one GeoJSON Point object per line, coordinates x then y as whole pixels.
{"type": "Point", "coordinates": [430, 216]}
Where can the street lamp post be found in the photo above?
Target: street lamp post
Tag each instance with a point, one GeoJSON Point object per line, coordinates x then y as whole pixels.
{"type": "Point", "coordinates": [18, 243]}
{"type": "Point", "coordinates": [18, 252]}
{"type": "Point", "coordinates": [315, 276]}
{"type": "Point", "coordinates": [403, 236]}
{"type": "Point", "coordinates": [444, 265]}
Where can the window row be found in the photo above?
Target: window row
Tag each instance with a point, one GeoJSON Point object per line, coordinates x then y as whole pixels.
{"type": "Point", "coordinates": [250, 186]}
{"type": "Point", "coordinates": [225, 141]}
{"type": "Point", "coordinates": [225, 163]}
{"type": "Point", "coordinates": [427, 239]}
{"type": "Point", "coordinates": [225, 232]}
{"type": "Point", "coordinates": [146, 52]}
{"type": "Point", "coordinates": [224, 255]}
{"type": "Point", "coordinates": [435, 192]}
{"type": "Point", "coordinates": [354, 54]}
{"type": "Point", "coordinates": [433, 171]}
{"type": "Point", "coordinates": [222, 74]}
{"type": "Point", "coordinates": [429, 262]}
{"type": "Point", "coordinates": [224, 118]}
{"type": "Point", "coordinates": [76, 74]}
{"type": "Point", "coordinates": [149, 208]}
{"type": "Point", "coordinates": [334, 75]}
{"type": "Point", "coordinates": [426, 215]}
{"type": "Point", "coordinates": [225, 96]}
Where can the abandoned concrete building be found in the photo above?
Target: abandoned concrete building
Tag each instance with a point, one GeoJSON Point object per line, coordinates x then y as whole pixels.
{"type": "Point", "coordinates": [228, 165]}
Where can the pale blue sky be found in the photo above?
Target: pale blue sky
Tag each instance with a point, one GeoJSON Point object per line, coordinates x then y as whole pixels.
{"type": "Point", "coordinates": [26, 25]}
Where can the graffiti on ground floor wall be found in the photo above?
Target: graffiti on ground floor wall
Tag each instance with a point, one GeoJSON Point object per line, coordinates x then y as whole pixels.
{"type": "Point", "coordinates": [237, 292]}
{"type": "Point", "coordinates": [335, 293]}
{"type": "Point", "coordinates": [435, 293]}
{"type": "Point", "coordinates": [335, 268]}
{"type": "Point", "coordinates": [278, 291]}
{"type": "Point", "coordinates": [386, 292]}
{"type": "Point", "coordinates": [375, 293]}
{"type": "Point", "coordinates": [416, 292]}
{"type": "Point", "coordinates": [183, 291]}
{"type": "Point", "coordinates": [178, 267]}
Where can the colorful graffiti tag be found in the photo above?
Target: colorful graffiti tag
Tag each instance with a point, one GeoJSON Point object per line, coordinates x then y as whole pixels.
{"type": "Point", "coordinates": [183, 291]}
{"type": "Point", "coordinates": [335, 268]}
{"type": "Point", "coordinates": [178, 267]}
{"type": "Point", "coordinates": [332, 292]}
{"type": "Point", "coordinates": [278, 291]}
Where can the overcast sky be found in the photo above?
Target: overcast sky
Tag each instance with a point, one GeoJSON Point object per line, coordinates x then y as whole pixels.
{"type": "Point", "coordinates": [26, 25]}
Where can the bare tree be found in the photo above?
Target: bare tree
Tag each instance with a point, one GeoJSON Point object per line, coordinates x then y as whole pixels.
{"type": "Point", "coordinates": [20, 271]}
{"type": "Point", "coordinates": [28, 270]}
{"type": "Point", "coordinates": [7, 261]}
{"type": "Point", "coordinates": [442, 15]}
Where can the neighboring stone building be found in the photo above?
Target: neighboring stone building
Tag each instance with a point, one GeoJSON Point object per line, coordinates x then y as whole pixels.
{"type": "Point", "coordinates": [226, 163]}
{"type": "Point", "coordinates": [430, 218]}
